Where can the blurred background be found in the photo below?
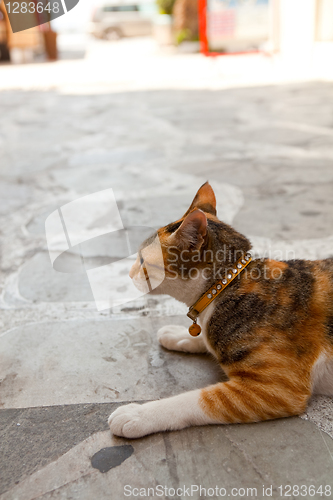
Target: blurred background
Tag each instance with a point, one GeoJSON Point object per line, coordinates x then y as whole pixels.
{"type": "Point", "coordinates": [297, 30]}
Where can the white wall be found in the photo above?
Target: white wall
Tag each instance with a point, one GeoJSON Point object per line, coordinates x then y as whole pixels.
{"type": "Point", "coordinates": [297, 27]}
{"type": "Point", "coordinates": [325, 20]}
{"type": "Point", "coordinates": [76, 19]}
{"type": "Point", "coordinates": [301, 53]}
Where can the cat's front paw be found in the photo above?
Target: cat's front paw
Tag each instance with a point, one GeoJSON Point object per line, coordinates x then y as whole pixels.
{"type": "Point", "coordinates": [128, 421]}
{"type": "Point", "coordinates": [177, 338]}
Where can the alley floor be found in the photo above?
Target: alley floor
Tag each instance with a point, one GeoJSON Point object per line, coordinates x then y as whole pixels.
{"type": "Point", "coordinates": [153, 126]}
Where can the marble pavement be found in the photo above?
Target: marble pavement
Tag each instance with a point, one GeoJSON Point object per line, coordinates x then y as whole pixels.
{"type": "Point", "coordinates": [64, 366]}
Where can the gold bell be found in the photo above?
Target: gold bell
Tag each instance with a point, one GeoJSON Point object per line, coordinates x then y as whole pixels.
{"type": "Point", "coordinates": [194, 330]}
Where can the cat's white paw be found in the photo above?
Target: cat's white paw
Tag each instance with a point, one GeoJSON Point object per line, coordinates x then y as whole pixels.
{"type": "Point", "coordinates": [177, 338]}
{"type": "Point", "coordinates": [129, 421]}
{"type": "Point", "coordinates": [134, 421]}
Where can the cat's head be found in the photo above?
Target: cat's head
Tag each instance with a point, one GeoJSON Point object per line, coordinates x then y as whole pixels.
{"type": "Point", "coordinates": [197, 250]}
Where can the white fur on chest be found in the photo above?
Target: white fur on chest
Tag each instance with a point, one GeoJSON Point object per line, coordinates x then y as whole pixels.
{"type": "Point", "coordinates": [203, 321]}
{"type": "Point", "coordinates": [322, 375]}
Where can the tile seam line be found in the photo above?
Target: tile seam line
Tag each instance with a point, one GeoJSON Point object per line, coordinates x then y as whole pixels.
{"type": "Point", "coordinates": [125, 401]}
{"type": "Point", "coordinates": [115, 316]}
{"type": "Point", "coordinates": [59, 321]}
{"type": "Point", "coordinates": [50, 490]}
{"type": "Point", "coordinates": [329, 451]}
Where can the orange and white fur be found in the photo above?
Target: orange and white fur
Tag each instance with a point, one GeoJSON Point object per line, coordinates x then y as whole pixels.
{"type": "Point", "coordinates": [271, 330]}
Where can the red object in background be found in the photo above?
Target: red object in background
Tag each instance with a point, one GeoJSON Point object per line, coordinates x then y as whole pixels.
{"type": "Point", "coordinates": [202, 6]}
{"type": "Point", "coordinates": [204, 47]}
{"type": "Point", "coordinates": [224, 20]}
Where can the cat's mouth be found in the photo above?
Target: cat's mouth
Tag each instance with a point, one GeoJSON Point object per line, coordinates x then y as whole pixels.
{"type": "Point", "coordinates": [141, 283]}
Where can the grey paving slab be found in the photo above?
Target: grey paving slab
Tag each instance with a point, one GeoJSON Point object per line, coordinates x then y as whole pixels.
{"type": "Point", "coordinates": [146, 194]}
{"type": "Point", "coordinates": [284, 198]}
{"type": "Point", "coordinates": [268, 454]}
{"type": "Point", "coordinates": [33, 437]}
{"type": "Point", "coordinates": [294, 210]}
{"type": "Point", "coordinates": [12, 196]}
{"type": "Point", "coordinates": [39, 282]}
{"type": "Point", "coordinates": [154, 209]}
{"type": "Point", "coordinates": [52, 363]}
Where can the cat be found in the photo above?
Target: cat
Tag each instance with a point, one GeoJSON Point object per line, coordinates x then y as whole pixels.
{"type": "Point", "coordinates": [271, 329]}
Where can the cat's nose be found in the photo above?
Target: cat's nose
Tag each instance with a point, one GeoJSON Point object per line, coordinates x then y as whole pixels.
{"type": "Point", "coordinates": [131, 273]}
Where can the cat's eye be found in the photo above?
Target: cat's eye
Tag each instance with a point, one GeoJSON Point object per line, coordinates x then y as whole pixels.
{"type": "Point", "coordinates": [141, 261]}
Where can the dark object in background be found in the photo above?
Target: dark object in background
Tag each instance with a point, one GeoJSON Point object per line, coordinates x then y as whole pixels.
{"type": "Point", "coordinates": [4, 31]}
{"type": "Point", "coordinates": [186, 20]}
{"type": "Point", "coordinates": [50, 41]}
{"type": "Point", "coordinates": [4, 53]}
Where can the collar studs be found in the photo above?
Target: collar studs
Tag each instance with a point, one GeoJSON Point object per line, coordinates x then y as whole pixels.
{"type": "Point", "coordinates": [202, 303]}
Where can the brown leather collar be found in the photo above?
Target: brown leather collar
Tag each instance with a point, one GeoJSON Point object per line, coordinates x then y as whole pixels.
{"type": "Point", "coordinates": [213, 292]}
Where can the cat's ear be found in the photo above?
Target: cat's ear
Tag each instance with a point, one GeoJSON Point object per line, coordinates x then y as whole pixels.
{"type": "Point", "coordinates": [204, 200]}
{"type": "Point", "coordinates": [192, 231]}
